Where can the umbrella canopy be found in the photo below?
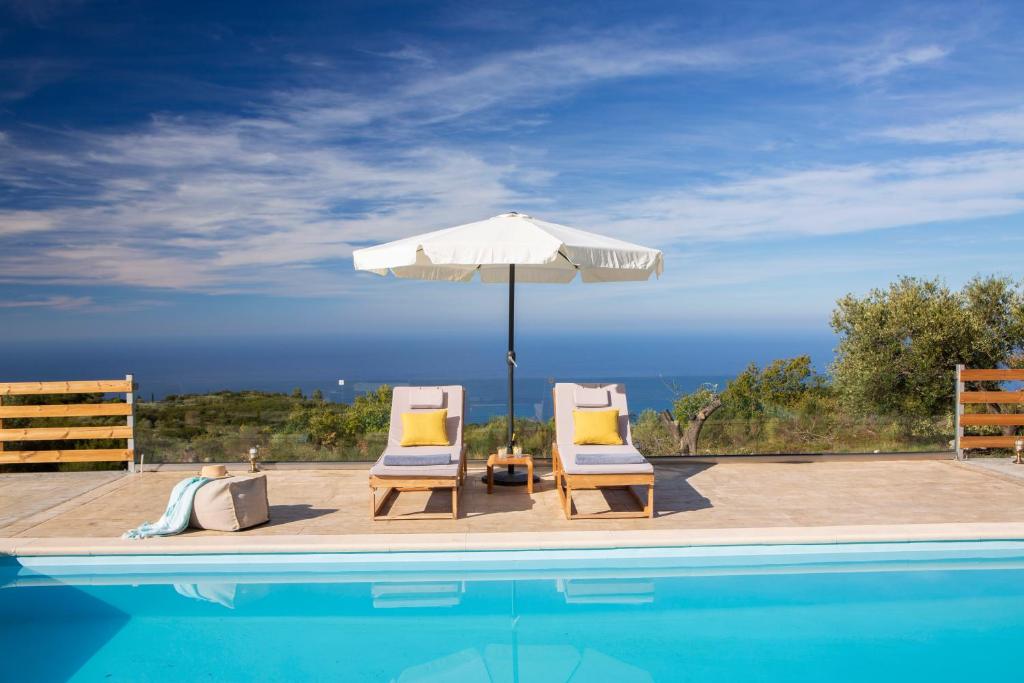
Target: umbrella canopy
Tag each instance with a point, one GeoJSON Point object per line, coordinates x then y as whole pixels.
{"type": "Point", "coordinates": [506, 248]}
{"type": "Point", "coordinates": [541, 252]}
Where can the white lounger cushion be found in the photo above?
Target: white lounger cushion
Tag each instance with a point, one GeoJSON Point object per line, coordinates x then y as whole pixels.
{"type": "Point", "coordinates": [426, 397]}
{"type": "Point", "coordinates": [452, 398]}
{"type": "Point", "coordinates": [591, 397]}
{"type": "Point", "coordinates": [565, 403]}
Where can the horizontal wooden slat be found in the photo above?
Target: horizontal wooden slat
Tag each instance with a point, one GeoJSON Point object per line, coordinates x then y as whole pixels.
{"type": "Point", "coordinates": [421, 483]}
{"type": "Point", "coordinates": [591, 481]}
{"type": "Point", "coordinates": [992, 396]}
{"type": "Point", "coordinates": [995, 375]}
{"type": "Point", "coordinates": [95, 455]}
{"type": "Point", "coordinates": [77, 410]}
{"type": "Point", "coordinates": [65, 433]}
{"type": "Point", "coordinates": [82, 387]}
{"type": "Point", "coordinates": [1005, 419]}
{"type": "Point", "coordinates": [987, 441]}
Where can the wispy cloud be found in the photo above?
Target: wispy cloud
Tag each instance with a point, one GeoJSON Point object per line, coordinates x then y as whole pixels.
{"type": "Point", "coordinates": [15, 222]}
{"type": "Point", "coordinates": [239, 203]}
{"type": "Point", "coordinates": [833, 200]}
{"type": "Point", "coordinates": [1001, 126]}
{"type": "Point", "coordinates": [276, 200]}
{"type": "Point", "coordinates": [883, 61]}
{"type": "Point", "coordinates": [217, 207]}
{"type": "Point", "coordinates": [61, 303]}
{"type": "Point", "coordinates": [233, 206]}
{"type": "Point", "coordinates": [431, 92]}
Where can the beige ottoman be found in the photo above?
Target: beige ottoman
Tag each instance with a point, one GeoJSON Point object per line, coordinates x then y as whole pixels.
{"type": "Point", "coordinates": [231, 504]}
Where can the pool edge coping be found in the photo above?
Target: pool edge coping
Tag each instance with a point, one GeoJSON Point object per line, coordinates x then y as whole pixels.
{"type": "Point", "coordinates": [549, 540]}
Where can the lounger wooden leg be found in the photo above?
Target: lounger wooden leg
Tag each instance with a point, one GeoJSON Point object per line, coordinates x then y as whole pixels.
{"type": "Point", "coordinates": [455, 502]}
{"type": "Point", "coordinates": [650, 501]}
{"type": "Point", "coordinates": [376, 505]}
{"type": "Point", "coordinates": [556, 465]}
{"type": "Point", "coordinates": [568, 501]}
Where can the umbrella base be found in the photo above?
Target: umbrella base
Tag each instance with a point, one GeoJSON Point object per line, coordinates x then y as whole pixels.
{"type": "Point", "coordinates": [506, 478]}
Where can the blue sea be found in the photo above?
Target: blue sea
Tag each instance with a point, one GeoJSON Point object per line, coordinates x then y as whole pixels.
{"type": "Point", "coordinates": [655, 368]}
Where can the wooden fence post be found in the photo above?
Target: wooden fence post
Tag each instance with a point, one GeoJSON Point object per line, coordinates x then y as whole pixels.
{"type": "Point", "coordinates": [958, 413]}
{"type": "Point", "coordinates": [130, 398]}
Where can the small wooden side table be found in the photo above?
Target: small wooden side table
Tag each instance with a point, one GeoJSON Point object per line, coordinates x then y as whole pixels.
{"type": "Point", "coordinates": [504, 460]}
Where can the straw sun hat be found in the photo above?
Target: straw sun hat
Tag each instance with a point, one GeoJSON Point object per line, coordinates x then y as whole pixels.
{"type": "Point", "coordinates": [214, 471]}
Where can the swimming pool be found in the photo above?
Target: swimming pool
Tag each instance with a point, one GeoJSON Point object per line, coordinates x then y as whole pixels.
{"type": "Point", "coordinates": [881, 612]}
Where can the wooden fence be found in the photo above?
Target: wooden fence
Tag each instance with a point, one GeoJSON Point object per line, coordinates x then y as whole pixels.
{"type": "Point", "coordinates": [72, 433]}
{"type": "Point", "coordinates": [963, 398]}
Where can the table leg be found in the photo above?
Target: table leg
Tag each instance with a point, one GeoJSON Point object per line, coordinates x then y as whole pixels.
{"type": "Point", "coordinates": [490, 478]}
{"type": "Point", "coordinates": [529, 477]}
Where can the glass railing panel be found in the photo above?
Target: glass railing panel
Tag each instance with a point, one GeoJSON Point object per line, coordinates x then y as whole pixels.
{"type": "Point", "coordinates": [349, 423]}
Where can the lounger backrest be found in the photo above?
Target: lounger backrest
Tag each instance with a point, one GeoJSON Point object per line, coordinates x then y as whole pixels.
{"type": "Point", "coordinates": [565, 402]}
{"type": "Point", "coordinates": [453, 398]}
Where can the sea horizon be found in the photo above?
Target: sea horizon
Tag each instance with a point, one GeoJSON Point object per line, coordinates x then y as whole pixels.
{"type": "Point", "coordinates": [656, 367]}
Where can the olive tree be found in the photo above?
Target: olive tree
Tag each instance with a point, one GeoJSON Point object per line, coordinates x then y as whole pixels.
{"type": "Point", "coordinates": [898, 347]}
{"type": "Point", "coordinates": [783, 386]}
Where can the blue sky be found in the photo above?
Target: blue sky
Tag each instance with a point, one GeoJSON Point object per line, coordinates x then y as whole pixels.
{"type": "Point", "coordinates": [205, 169]}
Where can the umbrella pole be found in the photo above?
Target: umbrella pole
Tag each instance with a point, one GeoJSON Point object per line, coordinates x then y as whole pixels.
{"type": "Point", "coordinates": [511, 477]}
{"type": "Point", "coordinates": [511, 358]}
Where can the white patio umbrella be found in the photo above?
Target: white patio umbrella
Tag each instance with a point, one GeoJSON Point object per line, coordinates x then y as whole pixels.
{"type": "Point", "coordinates": [507, 248]}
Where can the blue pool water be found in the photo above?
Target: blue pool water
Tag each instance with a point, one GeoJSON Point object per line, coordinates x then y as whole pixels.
{"type": "Point", "coordinates": [886, 612]}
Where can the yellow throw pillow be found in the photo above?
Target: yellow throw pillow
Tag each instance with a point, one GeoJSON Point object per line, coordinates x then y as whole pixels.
{"type": "Point", "coordinates": [425, 429]}
{"type": "Point", "coordinates": [596, 427]}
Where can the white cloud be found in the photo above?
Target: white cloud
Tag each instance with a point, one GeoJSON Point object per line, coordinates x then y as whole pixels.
{"type": "Point", "coordinates": [214, 207]}
{"type": "Point", "coordinates": [831, 200]}
{"type": "Point", "coordinates": [1003, 126]}
{"type": "Point", "coordinates": [884, 61]}
{"type": "Point", "coordinates": [515, 80]}
{"type": "Point", "coordinates": [273, 202]}
{"type": "Point", "coordinates": [62, 303]}
{"type": "Point", "coordinates": [274, 214]}
{"type": "Point", "coordinates": [547, 71]}
{"type": "Point", "coordinates": [238, 203]}
{"type": "Point", "coordinates": [15, 222]}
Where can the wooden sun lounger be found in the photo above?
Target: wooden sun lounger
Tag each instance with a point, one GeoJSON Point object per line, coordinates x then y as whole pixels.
{"type": "Point", "coordinates": [390, 486]}
{"type": "Point", "coordinates": [386, 482]}
{"type": "Point", "coordinates": [595, 477]}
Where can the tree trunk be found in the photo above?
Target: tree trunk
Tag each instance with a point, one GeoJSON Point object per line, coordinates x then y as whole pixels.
{"type": "Point", "coordinates": [688, 438]}
{"type": "Point", "coordinates": [671, 425]}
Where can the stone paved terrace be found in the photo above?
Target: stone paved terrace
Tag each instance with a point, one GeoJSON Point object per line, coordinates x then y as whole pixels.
{"type": "Point", "coordinates": [710, 500]}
